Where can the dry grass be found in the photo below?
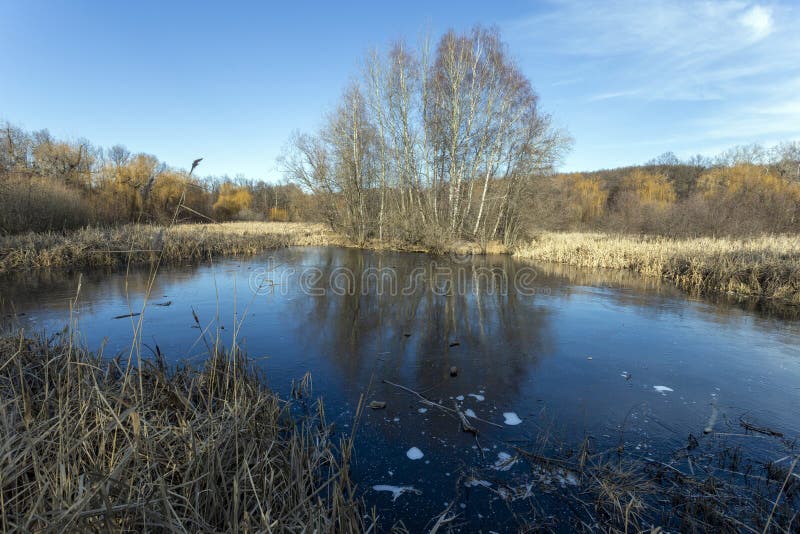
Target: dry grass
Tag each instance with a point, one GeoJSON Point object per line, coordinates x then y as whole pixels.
{"type": "Point", "coordinates": [142, 244]}
{"type": "Point", "coordinates": [765, 267]}
{"type": "Point", "coordinates": [186, 243]}
{"type": "Point", "coordinates": [89, 444]}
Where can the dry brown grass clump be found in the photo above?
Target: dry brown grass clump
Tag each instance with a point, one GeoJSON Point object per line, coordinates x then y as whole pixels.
{"type": "Point", "coordinates": [88, 444]}
{"type": "Point", "coordinates": [766, 266]}
{"type": "Point", "coordinates": [143, 244]}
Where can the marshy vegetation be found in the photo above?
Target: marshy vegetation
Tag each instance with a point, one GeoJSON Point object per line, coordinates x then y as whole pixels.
{"type": "Point", "coordinates": [765, 267]}
{"type": "Point", "coordinates": [131, 244]}
{"type": "Point", "coordinates": [98, 444]}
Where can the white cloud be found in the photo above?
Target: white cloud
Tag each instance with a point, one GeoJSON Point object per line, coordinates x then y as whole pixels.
{"type": "Point", "coordinates": [739, 54]}
{"type": "Point", "coordinates": [758, 19]}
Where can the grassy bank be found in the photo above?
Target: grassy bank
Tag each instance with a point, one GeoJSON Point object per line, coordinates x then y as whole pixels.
{"type": "Point", "coordinates": [89, 444]}
{"type": "Point", "coordinates": [766, 267]}
{"type": "Point", "coordinates": [143, 244]}
{"type": "Point", "coordinates": [184, 243]}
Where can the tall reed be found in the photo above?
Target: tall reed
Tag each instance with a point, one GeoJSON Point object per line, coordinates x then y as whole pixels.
{"type": "Point", "coordinates": [90, 444]}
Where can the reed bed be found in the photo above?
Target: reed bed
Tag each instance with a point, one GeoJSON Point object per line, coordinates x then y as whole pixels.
{"type": "Point", "coordinates": [766, 267]}
{"type": "Point", "coordinates": [143, 243]}
{"type": "Point", "coordinates": [90, 444]}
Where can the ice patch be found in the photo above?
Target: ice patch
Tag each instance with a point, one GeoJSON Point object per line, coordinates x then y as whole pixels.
{"type": "Point", "coordinates": [504, 461]}
{"type": "Point", "coordinates": [460, 398]}
{"type": "Point", "coordinates": [662, 389]}
{"type": "Point", "coordinates": [476, 396]}
{"type": "Point", "coordinates": [469, 413]}
{"type": "Point", "coordinates": [414, 453]}
{"type": "Point", "coordinates": [511, 418]}
{"type": "Point", "coordinates": [474, 483]}
{"type": "Point", "coordinates": [422, 410]}
{"type": "Point", "coordinates": [396, 491]}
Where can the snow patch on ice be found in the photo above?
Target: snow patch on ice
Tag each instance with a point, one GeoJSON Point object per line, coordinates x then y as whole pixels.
{"type": "Point", "coordinates": [504, 461]}
{"type": "Point", "coordinates": [414, 453]}
{"type": "Point", "coordinates": [396, 491]}
{"type": "Point", "coordinates": [511, 418]}
{"type": "Point", "coordinates": [474, 483]}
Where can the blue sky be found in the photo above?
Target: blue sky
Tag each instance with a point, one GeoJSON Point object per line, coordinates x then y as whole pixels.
{"type": "Point", "coordinates": [230, 81]}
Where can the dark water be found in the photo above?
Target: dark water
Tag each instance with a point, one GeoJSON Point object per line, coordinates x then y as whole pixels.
{"type": "Point", "coordinates": [546, 345]}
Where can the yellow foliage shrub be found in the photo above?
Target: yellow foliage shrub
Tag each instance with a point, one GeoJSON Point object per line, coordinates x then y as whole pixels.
{"type": "Point", "coordinates": [278, 214]}
{"type": "Point", "coordinates": [587, 197]}
{"type": "Point", "coordinates": [649, 187]}
{"type": "Point", "coordinates": [231, 200]}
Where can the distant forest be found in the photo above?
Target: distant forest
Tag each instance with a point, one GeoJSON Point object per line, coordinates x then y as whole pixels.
{"type": "Point", "coordinates": [54, 185]}
{"type": "Point", "coordinates": [48, 184]}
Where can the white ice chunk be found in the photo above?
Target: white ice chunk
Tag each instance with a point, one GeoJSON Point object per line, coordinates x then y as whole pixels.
{"type": "Point", "coordinates": [460, 398]}
{"type": "Point", "coordinates": [662, 389]}
{"type": "Point", "coordinates": [476, 396]}
{"type": "Point", "coordinates": [414, 453]}
{"type": "Point", "coordinates": [474, 482]}
{"type": "Point", "coordinates": [469, 413]}
{"type": "Point", "coordinates": [504, 461]}
{"type": "Point", "coordinates": [511, 418]}
{"type": "Point", "coordinates": [422, 410]}
{"type": "Point", "coordinates": [396, 491]}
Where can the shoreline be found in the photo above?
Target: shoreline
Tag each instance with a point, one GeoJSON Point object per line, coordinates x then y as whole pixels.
{"type": "Point", "coordinates": [764, 267]}
{"type": "Point", "coordinates": [95, 443]}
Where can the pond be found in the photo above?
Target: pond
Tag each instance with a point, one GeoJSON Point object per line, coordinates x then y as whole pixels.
{"type": "Point", "coordinates": [543, 357]}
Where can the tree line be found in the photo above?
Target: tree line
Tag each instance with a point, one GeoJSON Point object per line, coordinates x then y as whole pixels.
{"type": "Point", "coordinates": [746, 190]}
{"type": "Point", "coordinates": [51, 184]}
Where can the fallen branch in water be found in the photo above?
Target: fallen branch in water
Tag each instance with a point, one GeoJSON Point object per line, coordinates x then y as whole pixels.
{"type": "Point", "coordinates": [760, 429]}
{"type": "Point", "coordinates": [428, 402]}
{"type": "Point", "coordinates": [126, 315]}
{"type": "Point", "coordinates": [465, 426]}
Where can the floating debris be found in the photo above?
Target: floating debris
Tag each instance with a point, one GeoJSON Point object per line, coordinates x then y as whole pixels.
{"type": "Point", "coordinates": [414, 453]}
{"type": "Point", "coordinates": [455, 344]}
{"type": "Point", "coordinates": [396, 491]}
{"type": "Point", "coordinates": [454, 371]}
{"type": "Point", "coordinates": [127, 315]}
{"type": "Point", "coordinates": [550, 476]}
{"type": "Point", "coordinates": [511, 418]}
{"type": "Point", "coordinates": [663, 389]}
{"type": "Point", "coordinates": [504, 461]}
{"type": "Point", "coordinates": [477, 397]}
{"type": "Point", "coordinates": [377, 405]}
{"type": "Point", "coordinates": [626, 375]}
{"type": "Point", "coordinates": [474, 483]}
{"type": "Point", "coordinates": [164, 304]}
{"type": "Point", "coordinates": [759, 429]}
